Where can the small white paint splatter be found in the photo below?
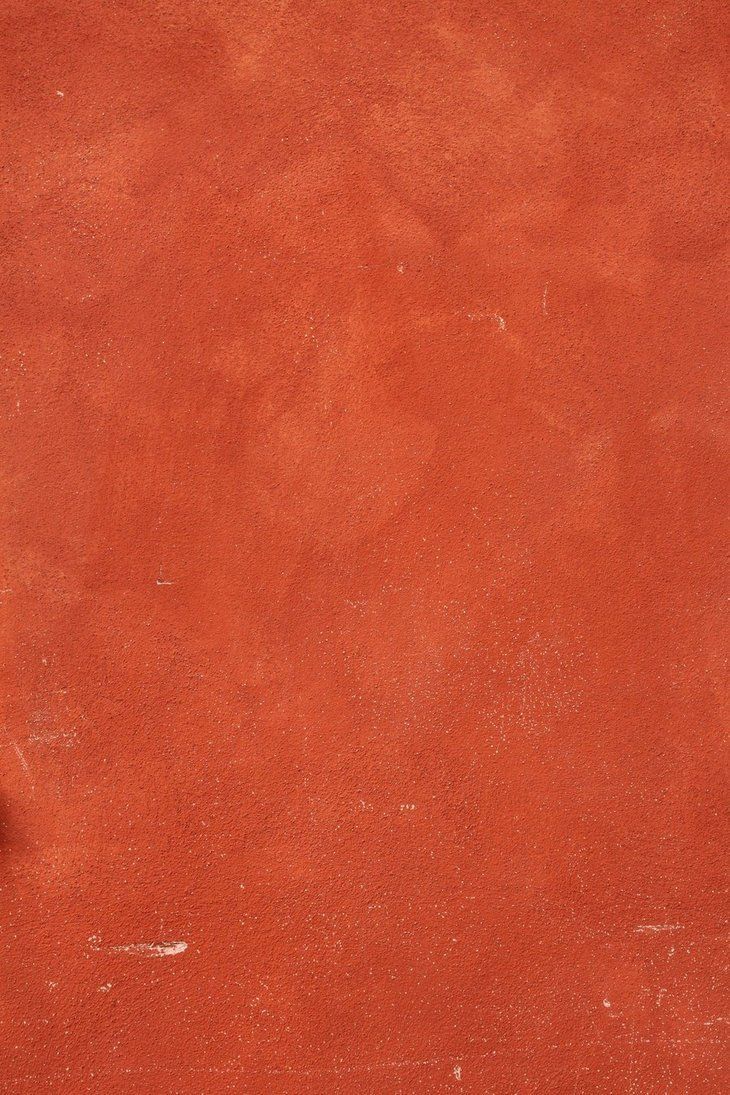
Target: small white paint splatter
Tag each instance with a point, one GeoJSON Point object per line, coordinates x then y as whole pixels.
{"type": "Point", "coordinates": [408, 806]}
{"type": "Point", "coordinates": [501, 321]}
{"type": "Point", "coordinates": [457, 1071]}
{"type": "Point", "coordinates": [106, 987]}
{"type": "Point", "coordinates": [401, 268]}
{"type": "Point", "coordinates": [60, 94]}
{"type": "Point", "coordinates": [607, 1003]}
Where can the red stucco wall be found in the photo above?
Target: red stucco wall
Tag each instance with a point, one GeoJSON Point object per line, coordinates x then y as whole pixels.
{"type": "Point", "coordinates": [363, 493]}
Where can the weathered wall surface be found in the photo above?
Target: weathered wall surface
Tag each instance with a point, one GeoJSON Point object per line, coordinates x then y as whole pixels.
{"type": "Point", "coordinates": [363, 479]}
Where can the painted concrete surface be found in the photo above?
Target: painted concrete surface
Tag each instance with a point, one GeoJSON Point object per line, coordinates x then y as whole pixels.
{"type": "Point", "coordinates": [363, 554]}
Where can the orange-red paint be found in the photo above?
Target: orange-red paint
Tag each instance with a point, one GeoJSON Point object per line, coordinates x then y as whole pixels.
{"type": "Point", "coordinates": [363, 547]}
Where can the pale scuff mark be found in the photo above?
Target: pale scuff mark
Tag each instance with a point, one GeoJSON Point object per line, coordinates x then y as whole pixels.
{"type": "Point", "coordinates": [24, 764]}
{"type": "Point", "coordinates": [480, 316]}
{"type": "Point", "coordinates": [544, 299]}
{"type": "Point", "coordinates": [21, 757]}
{"type": "Point", "coordinates": [457, 1072]}
{"type": "Point", "coordinates": [149, 950]}
{"type": "Point", "coordinates": [152, 950]}
{"type": "Point", "coordinates": [648, 928]}
{"type": "Point", "coordinates": [67, 737]}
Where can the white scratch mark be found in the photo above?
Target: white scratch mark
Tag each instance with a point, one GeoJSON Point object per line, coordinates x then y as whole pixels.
{"type": "Point", "coordinates": [153, 950]}
{"type": "Point", "coordinates": [161, 581]}
{"type": "Point", "coordinates": [150, 950]}
{"type": "Point", "coordinates": [544, 299]}
{"type": "Point", "coordinates": [24, 764]}
{"type": "Point", "coordinates": [647, 928]}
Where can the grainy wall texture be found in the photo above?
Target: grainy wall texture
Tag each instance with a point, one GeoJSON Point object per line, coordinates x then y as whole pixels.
{"type": "Point", "coordinates": [363, 482]}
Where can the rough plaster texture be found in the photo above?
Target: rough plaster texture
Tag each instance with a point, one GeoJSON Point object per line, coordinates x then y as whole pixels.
{"type": "Point", "coordinates": [363, 485]}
